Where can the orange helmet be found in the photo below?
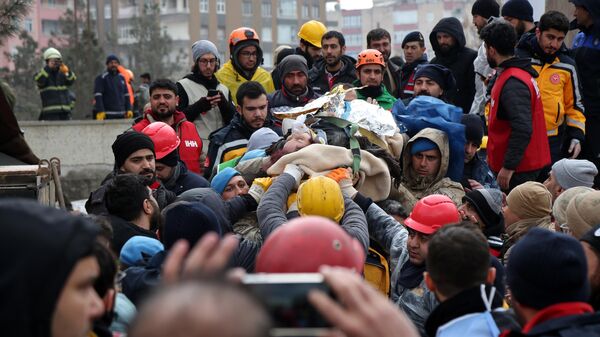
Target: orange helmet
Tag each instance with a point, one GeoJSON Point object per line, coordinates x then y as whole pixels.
{"type": "Point", "coordinates": [306, 243]}
{"type": "Point", "coordinates": [164, 138]}
{"type": "Point", "coordinates": [242, 34]}
{"type": "Point", "coordinates": [432, 213]}
{"type": "Point", "coordinates": [370, 56]}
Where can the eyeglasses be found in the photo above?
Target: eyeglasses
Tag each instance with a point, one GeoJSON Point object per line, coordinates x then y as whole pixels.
{"type": "Point", "coordinates": [248, 54]}
{"type": "Point", "coordinates": [205, 61]}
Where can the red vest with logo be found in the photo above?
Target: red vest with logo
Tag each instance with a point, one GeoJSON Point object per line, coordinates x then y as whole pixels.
{"type": "Point", "coordinates": [537, 153]}
{"type": "Point", "coordinates": [190, 148]}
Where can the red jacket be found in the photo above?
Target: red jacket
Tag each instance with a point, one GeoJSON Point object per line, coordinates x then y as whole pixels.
{"type": "Point", "coordinates": [537, 153]}
{"type": "Point", "coordinates": [190, 149]}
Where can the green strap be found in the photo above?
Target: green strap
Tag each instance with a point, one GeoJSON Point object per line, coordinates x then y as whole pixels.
{"type": "Point", "coordinates": [351, 129]}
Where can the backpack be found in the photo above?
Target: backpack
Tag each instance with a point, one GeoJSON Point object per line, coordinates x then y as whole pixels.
{"type": "Point", "coordinates": [377, 271]}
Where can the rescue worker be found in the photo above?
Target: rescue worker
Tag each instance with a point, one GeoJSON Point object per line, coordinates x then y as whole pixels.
{"type": "Point", "coordinates": [370, 68]}
{"type": "Point", "coordinates": [558, 83]}
{"type": "Point", "coordinates": [163, 108]}
{"type": "Point", "coordinates": [245, 59]}
{"type": "Point", "coordinates": [295, 91]}
{"type": "Point", "coordinates": [335, 67]}
{"type": "Point", "coordinates": [53, 82]}
{"type": "Point", "coordinates": [413, 46]}
{"type": "Point", "coordinates": [111, 96]}
{"type": "Point", "coordinates": [381, 40]}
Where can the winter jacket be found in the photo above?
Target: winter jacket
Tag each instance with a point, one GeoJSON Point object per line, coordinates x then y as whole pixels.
{"type": "Point", "coordinates": [459, 60]}
{"type": "Point", "coordinates": [230, 141]}
{"type": "Point", "coordinates": [271, 212]}
{"type": "Point", "coordinates": [192, 91]}
{"type": "Point", "coordinates": [281, 100]}
{"type": "Point", "coordinates": [407, 77]}
{"type": "Point", "coordinates": [53, 85]}
{"type": "Point", "coordinates": [482, 71]}
{"type": "Point", "coordinates": [384, 100]}
{"type": "Point", "coordinates": [230, 78]}
{"type": "Point", "coordinates": [320, 80]}
{"type": "Point", "coordinates": [142, 97]}
{"type": "Point", "coordinates": [124, 230]}
{"type": "Point", "coordinates": [473, 311]}
{"type": "Point", "coordinates": [391, 79]}
{"type": "Point", "coordinates": [561, 320]}
{"type": "Point", "coordinates": [190, 147]}
{"type": "Point", "coordinates": [558, 82]}
{"type": "Point", "coordinates": [515, 117]}
{"type": "Point", "coordinates": [111, 95]}
{"type": "Point", "coordinates": [414, 187]}
{"type": "Point", "coordinates": [478, 170]}
{"type": "Point", "coordinates": [182, 180]}
{"type": "Point", "coordinates": [515, 231]}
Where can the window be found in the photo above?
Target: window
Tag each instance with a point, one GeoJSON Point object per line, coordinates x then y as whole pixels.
{"type": "Point", "coordinates": [305, 10]}
{"type": "Point", "coordinates": [286, 33]}
{"type": "Point", "coordinates": [50, 27]}
{"type": "Point", "coordinates": [265, 9]}
{"type": "Point", "coordinates": [28, 25]}
{"type": "Point", "coordinates": [247, 8]}
{"type": "Point", "coordinates": [352, 21]}
{"type": "Point", "coordinates": [220, 6]}
{"type": "Point", "coordinates": [315, 10]}
{"type": "Point", "coordinates": [267, 34]}
{"type": "Point", "coordinates": [406, 17]}
{"type": "Point", "coordinates": [287, 8]}
{"type": "Point", "coordinates": [221, 34]}
{"type": "Point", "coordinates": [203, 6]}
{"type": "Point", "coordinates": [203, 33]}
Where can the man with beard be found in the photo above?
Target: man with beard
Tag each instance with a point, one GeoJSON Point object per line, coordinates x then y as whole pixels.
{"type": "Point", "coordinates": [482, 11]}
{"type": "Point", "coordinates": [413, 46]}
{"type": "Point", "coordinates": [519, 13]}
{"type": "Point", "coordinates": [134, 153]}
{"type": "Point", "coordinates": [381, 40]}
{"type": "Point", "coordinates": [370, 67]}
{"type": "Point", "coordinates": [558, 83]}
{"type": "Point", "coordinates": [432, 80]}
{"type": "Point", "coordinates": [212, 112]}
{"type": "Point", "coordinates": [517, 146]}
{"type": "Point", "coordinates": [294, 91]}
{"type": "Point", "coordinates": [163, 104]}
{"type": "Point", "coordinates": [448, 41]}
{"type": "Point", "coordinates": [231, 141]}
{"type": "Point", "coordinates": [245, 59]}
{"type": "Point", "coordinates": [111, 97]}
{"type": "Point", "coordinates": [335, 66]}
{"type": "Point", "coordinates": [132, 208]}
{"type": "Point", "coordinates": [591, 246]}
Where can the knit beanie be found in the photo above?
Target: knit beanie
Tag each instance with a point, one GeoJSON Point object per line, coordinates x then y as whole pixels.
{"type": "Point", "coordinates": [488, 205]}
{"type": "Point", "coordinates": [413, 37]}
{"type": "Point", "coordinates": [438, 73]}
{"type": "Point", "coordinates": [530, 200]}
{"type": "Point", "coordinates": [473, 128]}
{"type": "Point", "coordinates": [421, 145]}
{"type": "Point", "coordinates": [518, 9]}
{"type": "Point", "coordinates": [547, 268]}
{"type": "Point", "coordinates": [574, 172]}
{"type": "Point", "coordinates": [170, 159]}
{"type": "Point", "coordinates": [293, 63]}
{"type": "Point", "coordinates": [261, 139]}
{"type": "Point", "coordinates": [188, 221]}
{"type": "Point", "coordinates": [486, 8]}
{"type": "Point", "coordinates": [139, 248]}
{"type": "Point", "coordinates": [582, 213]}
{"type": "Point", "coordinates": [202, 47]}
{"type": "Point", "coordinates": [592, 237]}
{"type": "Point", "coordinates": [220, 181]}
{"type": "Point", "coordinates": [129, 142]}
{"type": "Point", "coordinates": [112, 57]}
{"type": "Point", "coordinates": [559, 208]}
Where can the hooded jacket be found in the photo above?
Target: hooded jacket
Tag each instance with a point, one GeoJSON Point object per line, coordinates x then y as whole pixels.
{"type": "Point", "coordinates": [318, 78]}
{"type": "Point", "coordinates": [459, 60]}
{"type": "Point", "coordinates": [414, 187]}
{"type": "Point", "coordinates": [41, 246]}
{"type": "Point", "coordinates": [190, 147]}
{"type": "Point", "coordinates": [281, 100]}
{"type": "Point", "coordinates": [515, 231]}
{"type": "Point", "coordinates": [232, 79]}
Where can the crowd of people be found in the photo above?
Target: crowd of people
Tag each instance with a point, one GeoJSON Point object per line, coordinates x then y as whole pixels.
{"type": "Point", "coordinates": [477, 217]}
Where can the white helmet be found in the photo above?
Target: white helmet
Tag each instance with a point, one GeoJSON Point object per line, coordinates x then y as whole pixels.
{"type": "Point", "coordinates": [52, 53]}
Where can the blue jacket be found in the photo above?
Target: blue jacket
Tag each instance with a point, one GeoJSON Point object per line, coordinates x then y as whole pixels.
{"type": "Point", "coordinates": [183, 180]}
{"type": "Point", "coordinates": [110, 93]}
{"type": "Point", "coordinates": [478, 170]}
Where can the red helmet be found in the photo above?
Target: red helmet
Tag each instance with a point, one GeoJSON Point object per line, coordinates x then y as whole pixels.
{"type": "Point", "coordinates": [164, 138]}
{"type": "Point", "coordinates": [432, 213]}
{"type": "Point", "coordinates": [305, 244]}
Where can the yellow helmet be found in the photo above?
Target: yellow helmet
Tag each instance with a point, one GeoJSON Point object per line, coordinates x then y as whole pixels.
{"type": "Point", "coordinates": [312, 32]}
{"type": "Point", "coordinates": [321, 196]}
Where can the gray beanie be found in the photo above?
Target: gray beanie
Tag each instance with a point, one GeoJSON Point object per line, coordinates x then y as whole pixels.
{"type": "Point", "coordinates": [202, 47]}
{"type": "Point", "coordinates": [559, 209]}
{"type": "Point", "coordinates": [293, 63]}
{"type": "Point", "coordinates": [261, 139]}
{"type": "Point", "coordinates": [573, 172]}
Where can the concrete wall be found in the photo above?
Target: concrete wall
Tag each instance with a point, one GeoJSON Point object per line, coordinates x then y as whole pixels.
{"type": "Point", "coordinates": [83, 147]}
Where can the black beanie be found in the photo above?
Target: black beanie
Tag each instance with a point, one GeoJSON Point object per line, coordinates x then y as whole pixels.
{"type": "Point", "coordinates": [170, 159]}
{"type": "Point", "coordinates": [188, 221]}
{"type": "Point", "coordinates": [547, 268]}
{"type": "Point", "coordinates": [412, 37]}
{"type": "Point", "coordinates": [486, 8]}
{"type": "Point", "coordinates": [592, 237]}
{"type": "Point", "coordinates": [518, 9]}
{"type": "Point", "coordinates": [112, 57]}
{"type": "Point", "coordinates": [129, 142]}
{"type": "Point", "coordinates": [488, 205]}
{"type": "Point", "coordinates": [473, 128]}
{"type": "Point", "coordinates": [438, 73]}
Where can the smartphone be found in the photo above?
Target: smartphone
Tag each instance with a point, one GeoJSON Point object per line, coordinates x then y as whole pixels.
{"type": "Point", "coordinates": [286, 298]}
{"type": "Point", "coordinates": [212, 92]}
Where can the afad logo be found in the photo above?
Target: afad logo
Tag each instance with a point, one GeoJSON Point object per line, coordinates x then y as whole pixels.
{"type": "Point", "coordinates": [555, 79]}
